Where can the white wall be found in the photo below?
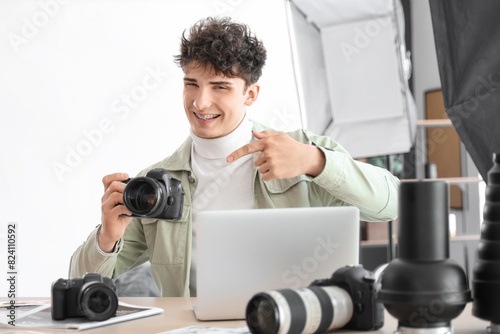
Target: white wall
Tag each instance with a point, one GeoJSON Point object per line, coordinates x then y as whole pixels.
{"type": "Point", "coordinates": [66, 69]}
{"type": "Point", "coordinates": [424, 58]}
{"type": "Point", "coordinates": [425, 70]}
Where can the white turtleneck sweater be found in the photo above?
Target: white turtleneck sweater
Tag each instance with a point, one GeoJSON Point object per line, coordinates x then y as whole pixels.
{"type": "Point", "coordinates": [221, 185]}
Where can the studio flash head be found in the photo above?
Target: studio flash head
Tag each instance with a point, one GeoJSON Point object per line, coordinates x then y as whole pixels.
{"type": "Point", "coordinates": [486, 276]}
{"type": "Point", "coordinates": [423, 288]}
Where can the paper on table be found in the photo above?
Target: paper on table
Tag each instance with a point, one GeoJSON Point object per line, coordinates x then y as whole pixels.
{"type": "Point", "coordinates": [39, 316]}
{"type": "Point", "coordinates": [207, 329]}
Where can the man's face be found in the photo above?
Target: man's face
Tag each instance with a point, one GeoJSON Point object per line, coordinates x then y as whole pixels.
{"type": "Point", "coordinates": [215, 104]}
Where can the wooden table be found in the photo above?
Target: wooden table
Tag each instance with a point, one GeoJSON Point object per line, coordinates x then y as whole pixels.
{"type": "Point", "coordinates": [179, 313]}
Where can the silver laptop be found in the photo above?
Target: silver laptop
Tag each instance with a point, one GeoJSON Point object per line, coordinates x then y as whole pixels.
{"type": "Point", "coordinates": [242, 252]}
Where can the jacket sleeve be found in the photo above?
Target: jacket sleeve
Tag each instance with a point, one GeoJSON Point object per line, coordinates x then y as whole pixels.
{"type": "Point", "coordinates": [372, 189]}
{"type": "Point", "coordinates": [130, 252]}
{"type": "Point", "coordinates": [89, 258]}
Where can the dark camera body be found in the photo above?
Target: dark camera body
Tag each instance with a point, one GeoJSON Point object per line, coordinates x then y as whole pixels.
{"type": "Point", "coordinates": [92, 296]}
{"type": "Point", "coordinates": [155, 196]}
{"type": "Point", "coordinates": [362, 287]}
{"type": "Point", "coordinates": [346, 300]}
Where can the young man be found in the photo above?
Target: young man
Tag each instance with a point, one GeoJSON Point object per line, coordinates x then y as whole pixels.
{"type": "Point", "coordinates": [228, 162]}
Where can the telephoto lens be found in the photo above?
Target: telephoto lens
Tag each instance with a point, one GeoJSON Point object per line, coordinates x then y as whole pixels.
{"type": "Point", "coordinates": [310, 309]}
{"type": "Point", "coordinates": [346, 300]}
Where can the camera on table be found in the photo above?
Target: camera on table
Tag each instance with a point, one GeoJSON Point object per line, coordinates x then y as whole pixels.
{"type": "Point", "coordinates": [346, 300]}
{"type": "Point", "coordinates": [92, 296]}
{"type": "Point", "coordinates": [157, 196]}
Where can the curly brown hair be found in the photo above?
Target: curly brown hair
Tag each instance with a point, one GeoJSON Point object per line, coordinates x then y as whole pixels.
{"type": "Point", "coordinates": [225, 47]}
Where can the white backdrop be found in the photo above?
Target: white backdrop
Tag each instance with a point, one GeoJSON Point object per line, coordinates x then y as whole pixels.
{"type": "Point", "coordinates": [88, 88]}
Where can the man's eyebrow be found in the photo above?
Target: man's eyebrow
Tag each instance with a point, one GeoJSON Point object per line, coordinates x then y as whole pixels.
{"type": "Point", "coordinates": [221, 83]}
{"type": "Point", "coordinates": [229, 83]}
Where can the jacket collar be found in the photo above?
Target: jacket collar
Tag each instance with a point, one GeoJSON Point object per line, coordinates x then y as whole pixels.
{"type": "Point", "coordinates": [180, 160]}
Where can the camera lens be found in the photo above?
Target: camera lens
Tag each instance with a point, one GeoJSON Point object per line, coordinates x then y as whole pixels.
{"type": "Point", "coordinates": [97, 301]}
{"type": "Point", "coordinates": [143, 196]}
{"type": "Point", "coordinates": [265, 314]}
{"type": "Point", "coordinates": [307, 310]}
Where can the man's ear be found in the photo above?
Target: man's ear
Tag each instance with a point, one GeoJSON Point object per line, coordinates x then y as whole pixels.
{"type": "Point", "coordinates": [251, 94]}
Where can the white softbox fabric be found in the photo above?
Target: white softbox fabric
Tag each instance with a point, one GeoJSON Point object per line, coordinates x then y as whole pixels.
{"type": "Point", "coordinates": [353, 71]}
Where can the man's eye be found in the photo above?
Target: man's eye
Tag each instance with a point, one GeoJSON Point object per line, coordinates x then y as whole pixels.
{"type": "Point", "coordinates": [191, 84]}
{"type": "Point", "coordinates": [221, 87]}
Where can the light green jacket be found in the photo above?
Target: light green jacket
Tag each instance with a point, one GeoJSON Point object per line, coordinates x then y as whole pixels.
{"type": "Point", "coordinates": [167, 244]}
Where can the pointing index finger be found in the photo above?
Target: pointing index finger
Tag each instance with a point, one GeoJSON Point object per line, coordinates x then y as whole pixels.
{"type": "Point", "coordinates": [256, 146]}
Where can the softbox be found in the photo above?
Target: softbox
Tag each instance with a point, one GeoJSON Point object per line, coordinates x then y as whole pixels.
{"type": "Point", "coordinates": [467, 37]}
{"type": "Point", "coordinates": [353, 73]}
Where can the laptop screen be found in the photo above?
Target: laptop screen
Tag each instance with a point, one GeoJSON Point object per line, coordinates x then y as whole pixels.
{"type": "Point", "coordinates": [243, 252]}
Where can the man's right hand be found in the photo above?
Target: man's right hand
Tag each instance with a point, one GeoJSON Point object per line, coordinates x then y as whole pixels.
{"type": "Point", "coordinates": [112, 208]}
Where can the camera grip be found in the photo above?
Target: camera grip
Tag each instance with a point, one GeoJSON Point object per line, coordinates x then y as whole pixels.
{"type": "Point", "coordinates": [58, 311]}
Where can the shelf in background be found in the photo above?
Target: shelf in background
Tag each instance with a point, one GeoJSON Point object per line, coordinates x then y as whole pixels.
{"type": "Point", "coordinates": [430, 123]}
{"type": "Point", "coordinates": [451, 180]}
{"type": "Point", "coordinates": [455, 238]}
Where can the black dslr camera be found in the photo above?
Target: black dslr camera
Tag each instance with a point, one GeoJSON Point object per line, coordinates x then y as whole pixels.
{"type": "Point", "coordinates": [92, 296]}
{"type": "Point", "coordinates": [156, 195]}
{"type": "Point", "coordinates": [346, 300]}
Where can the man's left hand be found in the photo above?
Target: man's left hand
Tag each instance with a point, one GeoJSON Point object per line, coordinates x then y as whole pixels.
{"type": "Point", "coordinates": [281, 156]}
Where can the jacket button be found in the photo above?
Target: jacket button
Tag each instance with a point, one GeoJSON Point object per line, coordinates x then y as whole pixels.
{"type": "Point", "coordinates": [191, 179]}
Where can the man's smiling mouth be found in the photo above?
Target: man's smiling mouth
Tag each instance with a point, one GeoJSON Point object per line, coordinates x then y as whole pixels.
{"type": "Point", "coordinates": [206, 117]}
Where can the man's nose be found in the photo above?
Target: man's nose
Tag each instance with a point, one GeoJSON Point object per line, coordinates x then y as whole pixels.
{"type": "Point", "coordinates": [203, 100]}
